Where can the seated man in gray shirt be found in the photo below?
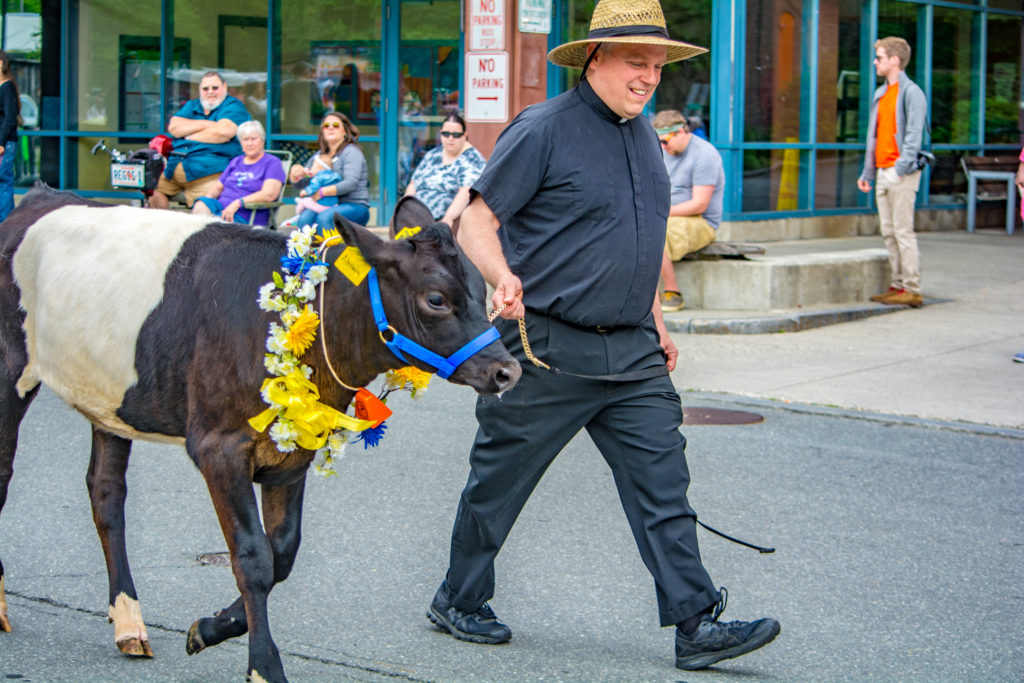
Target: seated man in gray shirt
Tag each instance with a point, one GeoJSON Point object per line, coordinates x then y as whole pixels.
{"type": "Point", "coordinates": [698, 181]}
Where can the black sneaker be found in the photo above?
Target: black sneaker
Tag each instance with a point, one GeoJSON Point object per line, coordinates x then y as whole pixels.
{"type": "Point", "coordinates": [713, 641]}
{"type": "Point", "coordinates": [480, 626]}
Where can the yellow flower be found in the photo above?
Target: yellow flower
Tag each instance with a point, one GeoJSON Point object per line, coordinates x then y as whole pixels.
{"type": "Point", "coordinates": [327, 234]}
{"type": "Point", "coordinates": [302, 332]}
{"type": "Point", "coordinates": [403, 377]}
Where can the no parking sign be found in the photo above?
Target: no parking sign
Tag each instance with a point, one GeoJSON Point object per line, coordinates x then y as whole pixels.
{"type": "Point", "coordinates": [487, 86]}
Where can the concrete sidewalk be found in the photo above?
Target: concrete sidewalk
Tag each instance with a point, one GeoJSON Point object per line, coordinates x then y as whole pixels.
{"type": "Point", "coordinates": [948, 360]}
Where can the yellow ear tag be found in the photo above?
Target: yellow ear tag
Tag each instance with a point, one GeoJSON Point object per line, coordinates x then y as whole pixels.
{"type": "Point", "coordinates": [406, 233]}
{"type": "Point", "coordinates": [352, 265]}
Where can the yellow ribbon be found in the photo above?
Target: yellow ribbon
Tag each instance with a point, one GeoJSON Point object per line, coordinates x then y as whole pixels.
{"type": "Point", "coordinates": [314, 421]}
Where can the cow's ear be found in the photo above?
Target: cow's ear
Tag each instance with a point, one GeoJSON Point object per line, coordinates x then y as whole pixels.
{"type": "Point", "coordinates": [410, 212]}
{"type": "Point", "coordinates": [375, 250]}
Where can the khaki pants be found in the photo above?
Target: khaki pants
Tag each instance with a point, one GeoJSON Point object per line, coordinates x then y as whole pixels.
{"type": "Point", "coordinates": [687, 234]}
{"type": "Point", "coordinates": [193, 188]}
{"type": "Point", "coordinates": [895, 197]}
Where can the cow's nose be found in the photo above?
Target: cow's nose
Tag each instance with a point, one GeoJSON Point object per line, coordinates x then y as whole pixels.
{"type": "Point", "coordinates": [507, 375]}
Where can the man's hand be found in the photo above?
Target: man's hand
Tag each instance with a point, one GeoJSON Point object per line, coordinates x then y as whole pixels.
{"type": "Point", "coordinates": [509, 293]}
{"type": "Point", "coordinates": [863, 185]}
{"type": "Point", "coordinates": [668, 347]}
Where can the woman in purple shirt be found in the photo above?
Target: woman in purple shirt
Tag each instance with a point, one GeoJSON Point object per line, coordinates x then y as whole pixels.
{"type": "Point", "coordinates": [253, 177]}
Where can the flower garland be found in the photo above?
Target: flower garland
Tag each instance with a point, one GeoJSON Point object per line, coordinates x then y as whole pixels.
{"type": "Point", "coordinates": [296, 417]}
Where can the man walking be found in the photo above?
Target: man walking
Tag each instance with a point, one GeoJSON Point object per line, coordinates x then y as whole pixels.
{"type": "Point", "coordinates": [895, 134]}
{"type": "Point", "coordinates": [567, 222]}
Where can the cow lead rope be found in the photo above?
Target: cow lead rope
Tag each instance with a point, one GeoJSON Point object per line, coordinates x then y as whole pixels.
{"type": "Point", "coordinates": [522, 335]}
{"type": "Point", "coordinates": [541, 364]}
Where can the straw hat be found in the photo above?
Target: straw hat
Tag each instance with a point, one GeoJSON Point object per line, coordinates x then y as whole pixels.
{"type": "Point", "coordinates": [625, 21]}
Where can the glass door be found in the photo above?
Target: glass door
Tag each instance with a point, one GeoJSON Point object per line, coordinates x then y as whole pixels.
{"type": "Point", "coordinates": [428, 78]}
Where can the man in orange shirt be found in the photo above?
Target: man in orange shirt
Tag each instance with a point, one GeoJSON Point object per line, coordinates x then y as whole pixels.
{"type": "Point", "coordinates": [895, 133]}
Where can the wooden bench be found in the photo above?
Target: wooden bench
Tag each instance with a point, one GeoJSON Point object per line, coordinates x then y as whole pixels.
{"type": "Point", "coordinates": [991, 178]}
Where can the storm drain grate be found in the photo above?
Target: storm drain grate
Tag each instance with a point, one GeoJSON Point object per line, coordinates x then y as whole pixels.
{"type": "Point", "coordinates": [718, 416]}
{"type": "Point", "coordinates": [221, 559]}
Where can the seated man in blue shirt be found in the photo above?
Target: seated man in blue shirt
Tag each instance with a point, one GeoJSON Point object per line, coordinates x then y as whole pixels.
{"type": "Point", "coordinates": [204, 130]}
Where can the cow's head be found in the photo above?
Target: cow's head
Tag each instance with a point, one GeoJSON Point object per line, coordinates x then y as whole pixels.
{"type": "Point", "coordinates": [434, 295]}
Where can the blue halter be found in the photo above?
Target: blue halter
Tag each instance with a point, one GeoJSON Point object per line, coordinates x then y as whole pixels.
{"type": "Point", "coordinates": [398, 342]}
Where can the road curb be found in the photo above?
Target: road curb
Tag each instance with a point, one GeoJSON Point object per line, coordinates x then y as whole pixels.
{"type": "Point", "coordinates": [790, 321]}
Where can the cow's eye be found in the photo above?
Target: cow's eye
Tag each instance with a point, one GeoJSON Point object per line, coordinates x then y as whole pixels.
{"type": "Point", "coordinates": [436, 300]}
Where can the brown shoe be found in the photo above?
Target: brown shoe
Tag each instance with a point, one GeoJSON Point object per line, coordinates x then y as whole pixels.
{"type": "Point", "coordinates": [904, 298]}
{"type": "Point", "coordinates": [885, 295]}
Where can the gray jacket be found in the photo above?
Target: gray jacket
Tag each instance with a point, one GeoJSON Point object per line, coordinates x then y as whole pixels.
{"type": "Point", "coordinates": [350, 165]}
{"type": "Point", "coordinates": [911, 113]}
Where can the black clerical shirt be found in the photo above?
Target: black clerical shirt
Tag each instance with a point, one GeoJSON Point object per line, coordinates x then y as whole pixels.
{"type": "Point", "coordinates": [582, 196]}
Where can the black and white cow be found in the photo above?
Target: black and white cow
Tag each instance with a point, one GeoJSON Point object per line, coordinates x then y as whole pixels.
{"type": "Point", "coordinates": [147, 323]}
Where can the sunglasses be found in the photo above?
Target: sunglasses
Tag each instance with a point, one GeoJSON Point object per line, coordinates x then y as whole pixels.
{"type": "Point", "coordinates": [667, 137]}
{"type": "Point", "coordinates": [332, 124]}
{"type": "Point", "coordinates": [450, 134]}
{"type": "Point", "coordinates": [210, 87]}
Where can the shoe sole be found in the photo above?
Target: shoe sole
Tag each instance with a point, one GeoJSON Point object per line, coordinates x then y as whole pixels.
{"type": "Point", "coordinates": [438, 620]}
{"type": "Point", "coordinates": [758, 639]}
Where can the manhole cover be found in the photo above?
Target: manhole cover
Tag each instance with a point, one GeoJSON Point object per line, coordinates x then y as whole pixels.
{"type": "Point", "coordinates": [717, 416]}
{"type": "Point", "coordinates": [221, 559]}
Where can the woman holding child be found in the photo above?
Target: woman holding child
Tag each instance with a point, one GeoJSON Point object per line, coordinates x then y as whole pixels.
{"type": "Point", "coordinates": [334, 180]}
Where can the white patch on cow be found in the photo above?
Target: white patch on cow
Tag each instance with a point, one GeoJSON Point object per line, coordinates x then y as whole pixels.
{"type": "Point", "coordinates": [89, 277]}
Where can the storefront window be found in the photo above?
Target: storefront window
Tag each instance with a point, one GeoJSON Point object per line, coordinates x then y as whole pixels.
{"type": "Point", "coordinates": [429, 61]}
{"type": "Point", "coordinates": [1004, 120]}
{"type": "Point", "coordinates": [118, 63]}
{"type": "Point", "coordinates": [835, 184]}
{"type": "Point", "coordinates": [773, 180]}
{"type": "Point", "coordinates": [839, 72]}
{"type": "Point", "coordinates": [686, 85]}
{"type": "Point", "coordinates": [330, 59]}
{"type": "Point", "coordinates": [955, 77]}
{"type": "Point", "coordinates": [773, 111]}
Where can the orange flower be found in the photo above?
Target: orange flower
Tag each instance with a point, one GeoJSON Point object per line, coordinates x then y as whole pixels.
{"type": "Point", "coordinates": [302, 332]}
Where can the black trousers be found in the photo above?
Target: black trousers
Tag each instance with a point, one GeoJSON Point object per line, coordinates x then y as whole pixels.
{"type": "Point", "coordinates": [635, 425]}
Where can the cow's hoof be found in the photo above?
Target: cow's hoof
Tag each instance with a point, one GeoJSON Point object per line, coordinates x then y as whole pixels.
{"type": "Point", "coordinates": [194, 643]}
{"type": "Point", "coordinates": [5, 623]}
{"type": "Point", "coordinates": [134, 647]}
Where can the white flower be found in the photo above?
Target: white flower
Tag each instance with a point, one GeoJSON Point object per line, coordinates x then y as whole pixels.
{"type": "Point", "coordinates": [336, 443]}
{"type": "Point", "coordinates": [300, 241]}
{"type": "Point", "coordinates": [276, 339]}
{"type": "Point", "coordinates": [268, 300]}
{"type": "Point", "coordinates": [317, 274]}
{"type": "Point", "coordinates": [307, 371]}
{"type": "Point", "coordinates": [265, 393]}
{"type": "Point", "coordinates": [283, 434]}
{"type": "Point", "coordinates": [307, 292]}
{"type": "Point", "coordinates": [291, 284]}
{"type": "Point", "coordinates": [289, 315]}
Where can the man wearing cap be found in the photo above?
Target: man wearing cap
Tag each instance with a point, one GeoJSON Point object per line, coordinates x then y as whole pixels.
{"type": "Point", "coordinates": [567, 222]}
{"type": "Point", "coordinates": [698, 184]}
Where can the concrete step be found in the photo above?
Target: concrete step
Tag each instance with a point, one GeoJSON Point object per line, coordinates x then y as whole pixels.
{"type": "Point", "coordinates": [784, 281]}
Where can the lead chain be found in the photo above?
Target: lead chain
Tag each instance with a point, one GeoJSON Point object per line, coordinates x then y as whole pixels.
{"type": "Point", "coordinates": [522, 335]}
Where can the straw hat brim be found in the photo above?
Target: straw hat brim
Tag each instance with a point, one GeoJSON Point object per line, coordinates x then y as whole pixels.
{"type": "Point", "coordinates": [575, 53]}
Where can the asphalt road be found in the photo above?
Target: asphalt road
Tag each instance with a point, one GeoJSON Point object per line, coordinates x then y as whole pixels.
{"type": "Point", "coordinates": [900, 556]}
